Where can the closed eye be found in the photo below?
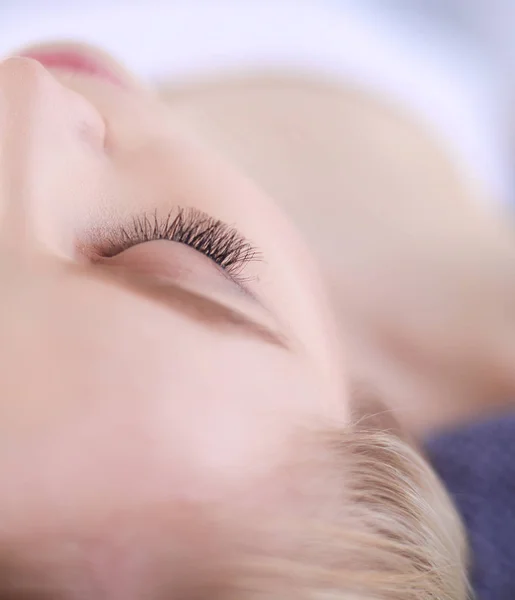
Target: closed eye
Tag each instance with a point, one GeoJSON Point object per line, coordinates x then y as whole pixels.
{"type": "Point", "coordinates": [216, 240]}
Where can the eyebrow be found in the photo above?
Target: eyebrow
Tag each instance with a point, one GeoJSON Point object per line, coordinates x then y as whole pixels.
{"type": "Point", "coordinates": [192, 304]}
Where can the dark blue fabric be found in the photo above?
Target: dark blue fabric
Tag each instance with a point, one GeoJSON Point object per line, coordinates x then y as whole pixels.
{"type": "Point", "coordinates": [477, 464]}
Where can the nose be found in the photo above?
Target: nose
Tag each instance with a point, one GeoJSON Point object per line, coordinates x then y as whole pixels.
{"type": "Point", "coordinates": [34, 105]}
{"type": "Point", "coordinates": [48, 135]}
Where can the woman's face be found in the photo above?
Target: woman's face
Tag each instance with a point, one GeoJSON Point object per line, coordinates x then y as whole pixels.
{"type": "Point", "coordinates": [152, 356]}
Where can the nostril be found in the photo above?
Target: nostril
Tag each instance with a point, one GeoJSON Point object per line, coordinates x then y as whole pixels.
{"type": "Point", "coordinates": [91, 135]}
{"type": "Point", "coordinates": [84, 118]}
{"type": "Point", "coordinates": [87, 122]}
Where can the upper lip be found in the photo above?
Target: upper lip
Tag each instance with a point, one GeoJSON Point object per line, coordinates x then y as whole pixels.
{"type": "Point", "coordinates": [78, 59]}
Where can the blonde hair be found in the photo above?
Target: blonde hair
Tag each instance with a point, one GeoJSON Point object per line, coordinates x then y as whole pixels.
{"type": "Point", "coordinates": [401, 537]}
{"type": "Point", "coordinates": [397, 536]}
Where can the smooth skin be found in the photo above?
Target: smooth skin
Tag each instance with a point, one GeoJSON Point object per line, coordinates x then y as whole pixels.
{"type": "Point", "coordinates": [139, 383]}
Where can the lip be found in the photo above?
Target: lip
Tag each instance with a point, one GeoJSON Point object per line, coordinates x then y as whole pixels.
{"type": "Point", "coordinates": [75, 62]}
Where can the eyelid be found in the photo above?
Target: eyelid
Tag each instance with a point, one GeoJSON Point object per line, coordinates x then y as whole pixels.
{"type": "Point", "coordinates": [179, 263]}
{"type": "Point", "coordinates": [220, 242]}
{"type": "Point", "coordinates": [175, 263]}
{"type": "Point", "coordinates": [165, 291]}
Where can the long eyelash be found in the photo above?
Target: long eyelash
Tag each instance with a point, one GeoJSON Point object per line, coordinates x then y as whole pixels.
{"type": "Point", "coordinates": [213, 238]}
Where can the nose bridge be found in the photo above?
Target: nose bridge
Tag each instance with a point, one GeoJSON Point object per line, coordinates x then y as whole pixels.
{"type": "Point", "coordinates": [42, 142]}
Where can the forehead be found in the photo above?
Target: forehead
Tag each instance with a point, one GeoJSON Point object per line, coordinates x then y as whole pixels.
{"type": "Point", "coordinates": [113, 543]}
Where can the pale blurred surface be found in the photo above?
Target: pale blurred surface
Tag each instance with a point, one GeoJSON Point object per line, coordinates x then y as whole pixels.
{"type": "Point", "coordinates": [446, 62]}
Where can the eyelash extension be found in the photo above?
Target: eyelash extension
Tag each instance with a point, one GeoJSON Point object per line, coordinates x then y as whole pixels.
{"type": "Point", "coordinates": [223, 244]}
